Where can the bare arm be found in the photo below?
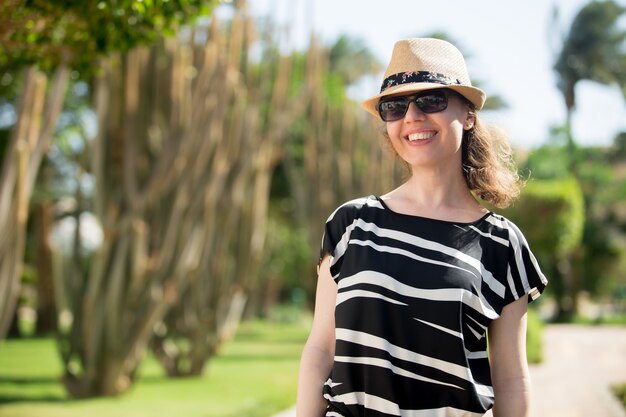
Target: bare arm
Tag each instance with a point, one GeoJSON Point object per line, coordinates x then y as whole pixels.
{"type": "Point", "coordinates": [319, 350]}
{"type": "Point", "coordinates": [509, 367]}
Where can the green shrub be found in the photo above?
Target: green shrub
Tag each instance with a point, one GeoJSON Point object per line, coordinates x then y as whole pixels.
{"type": "Point", "coordinates": [620, 393]}
{"type": "Point", "coordinates": [534, 338]}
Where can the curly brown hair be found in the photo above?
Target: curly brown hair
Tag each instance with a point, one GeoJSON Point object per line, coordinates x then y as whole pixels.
{"type": "Point", "coordinates": [488, 165]}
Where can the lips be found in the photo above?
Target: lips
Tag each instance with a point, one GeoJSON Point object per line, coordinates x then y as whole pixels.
{"type": "Point", "coordinates": [415, 137]}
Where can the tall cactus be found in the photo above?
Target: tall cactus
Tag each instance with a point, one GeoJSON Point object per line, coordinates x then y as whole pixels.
{"type": "Point", "coordinates": [182, 163]}
{"type": "Point", "coordinates": [256, 126]}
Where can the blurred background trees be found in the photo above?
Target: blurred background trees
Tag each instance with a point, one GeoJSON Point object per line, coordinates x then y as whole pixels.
{"type": "Point", "coordinates": [43, 39]}
{"type": "Point", "coordinates": [167, 171]}
{"type": "Point", "coordinates": [592, 49]}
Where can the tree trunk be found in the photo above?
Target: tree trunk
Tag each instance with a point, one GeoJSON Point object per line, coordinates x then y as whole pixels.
{"type": "Point", "coordinates": [38, 113]}
{"type": "Point", "coordinates": [46, 307]}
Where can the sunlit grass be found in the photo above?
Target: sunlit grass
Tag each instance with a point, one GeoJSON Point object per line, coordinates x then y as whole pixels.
{"type": "Point", "coordinates": [254, 376]}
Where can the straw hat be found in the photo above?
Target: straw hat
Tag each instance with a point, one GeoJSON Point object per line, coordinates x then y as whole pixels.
{"type": "Point", "coordinates": [424, 64]}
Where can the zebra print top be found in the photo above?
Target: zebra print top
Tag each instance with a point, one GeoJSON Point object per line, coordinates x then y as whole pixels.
{"type": "Point", "coordinates": [414, 299]}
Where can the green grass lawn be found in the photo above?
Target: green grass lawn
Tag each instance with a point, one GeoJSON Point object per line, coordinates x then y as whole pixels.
{"type": "Point", "coordinates": [255, 376]}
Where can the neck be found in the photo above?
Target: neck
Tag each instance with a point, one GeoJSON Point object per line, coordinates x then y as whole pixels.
{"type": "Point", "coordinates": [432, 188]}
{"type": "Point", "coordinates": [438, 195]}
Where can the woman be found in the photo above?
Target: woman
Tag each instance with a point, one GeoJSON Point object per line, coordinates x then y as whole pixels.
{"type": "Point", "coordinates": [412, 285]}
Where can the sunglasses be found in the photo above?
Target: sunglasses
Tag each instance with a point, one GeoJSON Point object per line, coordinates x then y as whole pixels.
{"type": "Point", "coordinates": [395, 108]}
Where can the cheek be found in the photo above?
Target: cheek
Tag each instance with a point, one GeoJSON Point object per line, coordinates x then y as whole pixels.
{"type": "Point", "coordinates": [393, 133]}
{"type": "Point", "coordinates": [456, 129]}
{"type": "Point", "coordinates": [393, 130]}
{"type": "Point", "coordinates": [459, 130]}
{"type": "Point", "coordinates": [393, 138]}
{"type": "Point", "coordinates": [391, 145]}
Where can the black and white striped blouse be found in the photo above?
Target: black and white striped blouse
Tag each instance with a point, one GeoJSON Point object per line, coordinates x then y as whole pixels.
{"type": "Point", "coordinates": [414, 299]}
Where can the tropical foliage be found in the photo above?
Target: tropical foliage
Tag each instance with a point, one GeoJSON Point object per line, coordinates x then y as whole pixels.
{"type": "Point", "coordinates": [50, 33]}
{"type": "Point", "coordinates": [596, 265]}
{"type": "Point", "coordinates": [592, 50]}
{"type": "Point", "coordinates": [209, 160]}
{"type": "Point", "coordinates": [552, 214]}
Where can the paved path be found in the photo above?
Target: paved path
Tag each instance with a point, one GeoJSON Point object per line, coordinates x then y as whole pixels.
{"type": "Point", "coordinates": [580, 364]}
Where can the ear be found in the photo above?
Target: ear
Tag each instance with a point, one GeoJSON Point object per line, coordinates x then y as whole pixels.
{"type": "Point", "coordinates": [469, 121]}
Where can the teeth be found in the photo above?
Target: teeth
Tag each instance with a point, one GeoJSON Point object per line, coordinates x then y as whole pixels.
{"type": "Point", "coordinates": [421, 136]}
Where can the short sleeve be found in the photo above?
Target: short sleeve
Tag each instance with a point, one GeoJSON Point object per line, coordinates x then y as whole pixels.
{"type": "Point", "coordinates": [337, 232]}
{"type": "Point", "coordinates": [524, 276]}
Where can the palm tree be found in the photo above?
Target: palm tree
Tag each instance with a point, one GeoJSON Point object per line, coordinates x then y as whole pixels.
{"type": "Point", "coordinates": [592, 50]}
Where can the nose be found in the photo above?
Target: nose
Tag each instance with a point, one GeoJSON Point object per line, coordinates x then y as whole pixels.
{"type": "Point", "coordinates": [414, 113]}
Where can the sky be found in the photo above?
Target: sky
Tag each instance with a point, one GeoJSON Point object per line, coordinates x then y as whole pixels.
{"type": "Point", "coordinates": [509, 46]}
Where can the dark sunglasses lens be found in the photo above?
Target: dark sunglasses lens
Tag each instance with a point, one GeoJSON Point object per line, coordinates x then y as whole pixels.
{"type": "Point", "coordinates": [395, 109]}
{"type": "Point", "coordinates": [432, 103]}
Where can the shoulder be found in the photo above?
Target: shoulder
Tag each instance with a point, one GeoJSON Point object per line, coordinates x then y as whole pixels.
{"type": "Point", "coordinates": [504, 227]}
{"type": "Point", "coordinates": [342, 222]}
{"type": "Point", "coordinates": [515, 233]}
{"type": "Point", "coordinates": [351, 209]}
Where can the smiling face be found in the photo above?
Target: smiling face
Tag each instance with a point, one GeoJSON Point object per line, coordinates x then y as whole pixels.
{"type": "Point", "coordinates": [432, 140]}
